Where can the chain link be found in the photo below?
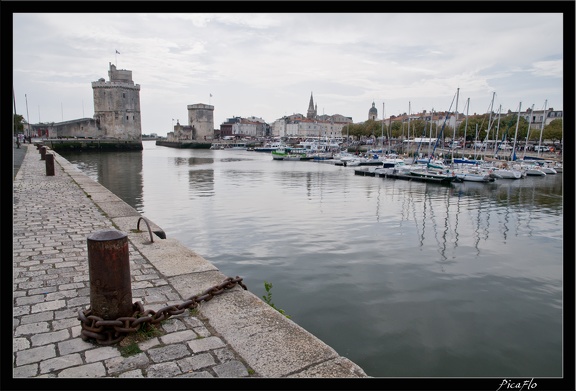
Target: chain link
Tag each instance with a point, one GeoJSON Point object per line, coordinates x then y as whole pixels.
{"type": "Point", "coordinates": [108, 332]}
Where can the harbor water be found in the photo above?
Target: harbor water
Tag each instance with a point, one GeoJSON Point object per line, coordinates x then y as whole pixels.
{"type": "Point", "coordinates": [406, 279]}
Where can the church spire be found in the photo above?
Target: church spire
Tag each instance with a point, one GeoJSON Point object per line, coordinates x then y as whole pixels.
{"type": "Point", "coordinates": [311, 114]}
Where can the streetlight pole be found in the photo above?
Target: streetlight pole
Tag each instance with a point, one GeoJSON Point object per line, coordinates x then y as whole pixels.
{"type": "Point", "coordinates": [27, 115]}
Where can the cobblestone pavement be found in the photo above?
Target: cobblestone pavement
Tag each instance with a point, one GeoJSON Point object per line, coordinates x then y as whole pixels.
{"type": "Point", "coordinates": [52, 219]}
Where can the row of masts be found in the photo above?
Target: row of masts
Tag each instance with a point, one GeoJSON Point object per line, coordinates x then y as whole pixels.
{"type": "Point", "coordinates": [488, 129]}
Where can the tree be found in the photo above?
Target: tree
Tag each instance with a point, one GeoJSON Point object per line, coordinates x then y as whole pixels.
{"type": "Point", "coordinates": [18, 124]}
{"type": "Point", "coordinates": [396, 129]}
{"type": "Point", "coordinates": [372, 128]}
{"type": "Point", "coordinates": [474, 125]}
{"type": "Point", "coordinates": [355, 130]}
{"type": "Point", "coordinates": [553, 131]}
{"type": "Point", "coordinates": [417, 128]}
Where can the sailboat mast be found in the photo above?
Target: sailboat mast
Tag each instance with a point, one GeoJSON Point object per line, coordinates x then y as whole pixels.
{"type": "Point", "coordinates": [466, 122]}
{"type": "Point", "coordinates": [383, 108]}
{"type": "Point", "coordinates": [498, 126]}
{"type": "Point", "coordinates": [389, 134]}
{"type": "Point", "coordinates": [485, 146]}
{"type": "Point", "coordinates": [455, 124]}
{"type": "Point", "coordinates": [408, 127]}
{"type": "Point", "coordinates": [528, 132]}
{"type": "Point", "coordinates": [430, 138]}
{"type": "Point", "coordinates": [490, 115]}
{"type": "Point", "coordinates": [513, 154]}
{"type": "Point", "coordinates": [542, 127]}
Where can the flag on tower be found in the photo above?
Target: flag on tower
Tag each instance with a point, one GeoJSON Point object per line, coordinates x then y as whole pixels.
{"type": "Point", "coordinates": [210, 95]}
{"type": "Point", "coordinates": [117, 52]}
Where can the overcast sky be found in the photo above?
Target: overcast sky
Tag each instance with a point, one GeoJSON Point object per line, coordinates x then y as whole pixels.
{"type": "Point", "coordinates": [267, 65]}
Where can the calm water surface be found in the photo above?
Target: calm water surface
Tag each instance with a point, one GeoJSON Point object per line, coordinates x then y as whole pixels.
{"type": "Point", "coordinates": [406, 279]}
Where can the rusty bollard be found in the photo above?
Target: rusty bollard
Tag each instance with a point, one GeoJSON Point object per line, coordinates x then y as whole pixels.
{"type": "Point", "coordinates": [49, 164]}
{"type": "Point", "coordinates": [109, 268]}
{"type": "Point", "coordinates": [42, 153]}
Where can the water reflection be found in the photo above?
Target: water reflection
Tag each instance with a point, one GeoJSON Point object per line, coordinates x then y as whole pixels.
{"type": "Point", "coordinates": [201, 183]}
{"type": "Point", "coordinates": [192, 161]}
{"type": "Point", "coordinates": [120, 172]}
{"type": "Point", "coordinates": [404, 278]}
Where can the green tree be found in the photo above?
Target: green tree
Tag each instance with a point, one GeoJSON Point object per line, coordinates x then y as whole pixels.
{"type": "Point", "coordinates": [396, 129]}
{"type": "Point", "coordinates": [417, 128]}
{"type": "Point", "coordinates": [506, 127]}
{"type": "Point", "coordinates": [355, 131]}
{"type": "Point", "coordinates": [18, 124]}
{"type": "Point", "coordinates": [553, 131]}
{"type": "Point", "coordinates": [372, 128]}
{"type": "Point", "coordinates": [470, 128]}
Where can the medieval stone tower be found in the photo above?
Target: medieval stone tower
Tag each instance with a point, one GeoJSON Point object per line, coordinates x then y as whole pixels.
{"type": "Point", "coordinates": [117, 106]}
{"type": "Point", "coordinates": [373, 112]}
{"type": "Point", "coordinates": [312, 109]}
{"type": "Point", "coordinates": [201, 121]}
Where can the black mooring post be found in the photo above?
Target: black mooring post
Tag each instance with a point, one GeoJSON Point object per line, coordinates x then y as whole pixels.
{"type": "Point", "coordinates": [49, 164]}
{"type": "Point", "coordinates": [108, 262]}
{"type": "Point", "coordinates": [42, 153]}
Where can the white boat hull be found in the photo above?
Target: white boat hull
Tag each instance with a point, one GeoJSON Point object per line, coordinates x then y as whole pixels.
{"type": "Point", "coordinates": [508, 174]}
{"type": "Point", "coordinates": [474, 177]}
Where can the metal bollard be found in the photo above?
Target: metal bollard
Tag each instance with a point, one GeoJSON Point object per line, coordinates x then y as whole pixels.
{"type": "Point", "coordinates": [109, 268]}
{"type": "Point", "coordinates": [42, 153]}
{"type": "Point", "coordinates": [49, 157]}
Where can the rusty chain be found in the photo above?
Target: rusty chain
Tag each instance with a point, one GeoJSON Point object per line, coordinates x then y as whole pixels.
{"type": "Point", "coordinates": [107, 332]}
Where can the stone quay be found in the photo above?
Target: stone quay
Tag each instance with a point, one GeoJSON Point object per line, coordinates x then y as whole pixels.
{"type": "Point", "coordinates": [233, 335]}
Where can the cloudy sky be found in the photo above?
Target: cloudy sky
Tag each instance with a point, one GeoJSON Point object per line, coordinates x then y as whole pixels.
{"type": "Point", "coordinates": [267, 65]}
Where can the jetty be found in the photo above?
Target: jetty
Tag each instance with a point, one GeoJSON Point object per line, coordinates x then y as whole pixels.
{"type": "Point", "coordinates": [184, 144]}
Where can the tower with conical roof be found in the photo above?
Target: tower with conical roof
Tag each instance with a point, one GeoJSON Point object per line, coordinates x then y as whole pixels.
{"type": "Point", "coordinates": [312, 110]}
{"type": "Point", "coordinates": [373, 112]}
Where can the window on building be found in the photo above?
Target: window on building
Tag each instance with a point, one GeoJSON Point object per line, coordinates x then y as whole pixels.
{"type": "Point", "coordinates": [126, 118]}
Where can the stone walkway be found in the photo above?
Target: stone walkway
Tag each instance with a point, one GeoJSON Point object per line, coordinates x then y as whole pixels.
{"type": "Point", "coordinates": [52, 219]}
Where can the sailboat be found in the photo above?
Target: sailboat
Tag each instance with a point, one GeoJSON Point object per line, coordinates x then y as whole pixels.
{"type": "Point", "coordinates": [435, 170]}
{"type": "Point", "coordinates": [470, 170]}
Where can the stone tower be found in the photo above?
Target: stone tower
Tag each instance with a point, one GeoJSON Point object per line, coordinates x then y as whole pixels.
{"type": "Point", "coordinates": [117, 106]}
{"type": "Point", "coordinates": [373, 112]}
{"type": "Point", "coordinates": [201, 121]}
{"type": "Point", "coordinates": [312, 110]}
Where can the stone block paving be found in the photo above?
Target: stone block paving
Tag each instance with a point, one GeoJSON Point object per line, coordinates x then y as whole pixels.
{"type": "Point", "coordinates": [52, 218]}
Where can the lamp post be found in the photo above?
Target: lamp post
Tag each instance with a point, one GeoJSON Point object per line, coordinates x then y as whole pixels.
{"type": "Point", "coordinates": [27, 115]}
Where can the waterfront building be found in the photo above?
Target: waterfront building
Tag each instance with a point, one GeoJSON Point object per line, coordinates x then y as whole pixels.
{"type": "Point", "coordinates": [538, 116]}
{"type": "Point", "coordinates": [200, 126]}
{"type": "Point", "coordinates": [117, 106]}
{"type": "Point", "coordinates": [116, 113]}
{"type": "Point", "coordinates": [313, 125]}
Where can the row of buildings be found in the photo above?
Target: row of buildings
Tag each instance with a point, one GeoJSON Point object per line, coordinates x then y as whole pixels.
{"type": "Point", "coordinates": [333, 126]}
{"type": "Point", "coordinates": [117, 116]}
{"type": "Point", "coordinates": [295, 125]}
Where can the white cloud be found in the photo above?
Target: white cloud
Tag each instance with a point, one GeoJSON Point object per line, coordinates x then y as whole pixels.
{"type": "Point", "coordinates": [266, 64]}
